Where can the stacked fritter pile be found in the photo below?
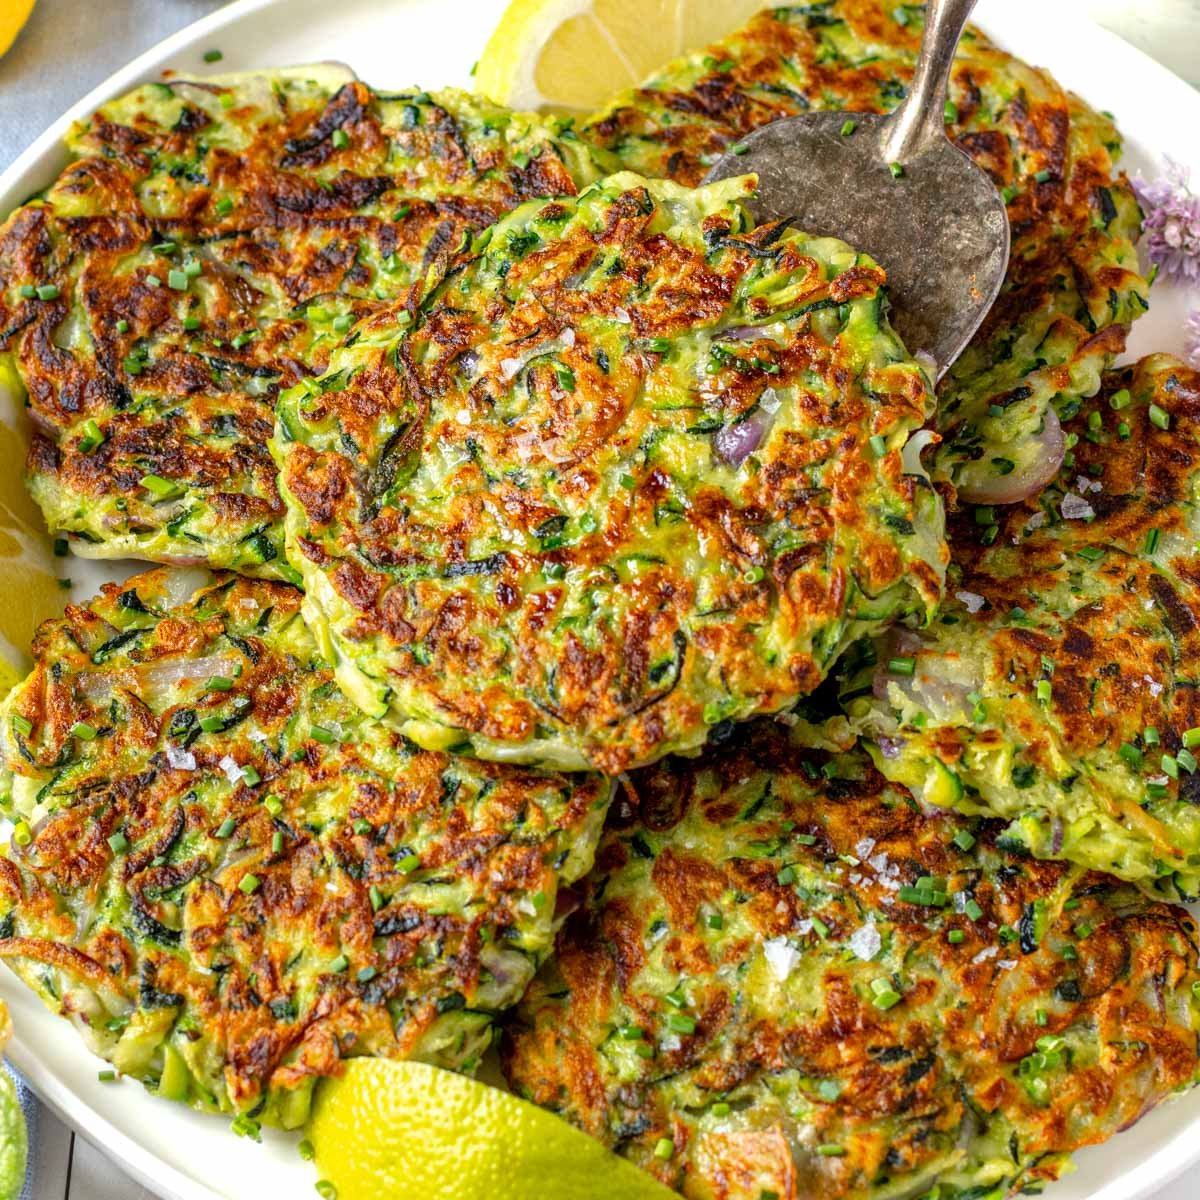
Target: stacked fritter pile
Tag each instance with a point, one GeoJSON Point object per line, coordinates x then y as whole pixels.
{"type": "Point", "coordinates": [571, 468]}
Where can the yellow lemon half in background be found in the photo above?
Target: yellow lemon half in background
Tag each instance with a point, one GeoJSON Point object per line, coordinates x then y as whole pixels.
{"type": "Point", "coordinates": [29, 589]}
{"type": "Point", "coordinates": [576, 54]}
{"type": "Point", "coordinates": [391, 1130]}
{"type": "Point", "coordinates": [13, 15]}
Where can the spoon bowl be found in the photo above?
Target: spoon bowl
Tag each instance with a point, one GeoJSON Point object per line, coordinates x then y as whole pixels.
{"type": "Point", "coordinates": [895, 186]}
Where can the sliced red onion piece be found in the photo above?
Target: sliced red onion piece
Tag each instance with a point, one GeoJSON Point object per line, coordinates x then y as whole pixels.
{"type": "Point", "coordinates": [735, 443]}
{"type": "Point", "coordinates": [910, 456]}
{"type": "Point", "coordinates": [1044, 458]}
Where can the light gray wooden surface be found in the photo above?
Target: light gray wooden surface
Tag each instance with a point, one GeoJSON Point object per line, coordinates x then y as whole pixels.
{"type": "Point", "coordinates": [37, 83]}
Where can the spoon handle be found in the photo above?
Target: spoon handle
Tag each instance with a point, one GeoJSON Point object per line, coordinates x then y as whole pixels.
{"type": "Point", "coordinates": [921, 116]}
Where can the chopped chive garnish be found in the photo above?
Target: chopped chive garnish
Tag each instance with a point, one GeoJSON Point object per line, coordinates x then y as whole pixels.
{"type": "Point", "coordinates": [249, 884]}
{"type": "Point", "coordinates": [720, 1109]}
{"type": "Point", "coordinates": [1170, 767]}
{"type": "Point", "coordinates": [565, 377]}
{"type": "Point", "coordinates": [1118, 400]}
{"type": "Point", "coordinates": [1187, 760]}
{"type": "Point", "coordinates": [972, 909]}
{"type": "Point", "coordinates": [277, 842]}
{"type": "Point", "coordinates": [22, 834]}
{"type": "Point", "coordinates": [340, 139]}
{"type": "Point", "coordinates": [362, 826]}
{"type": "Point", "coordinates": [956, 937]}
{"type": "Point", "coordinates": [177, 280]}
{"type": "Point", "coordinates": [964, 839]}
{"type": "Point", "coordinates": [409, 862]}
{"type": "Point", "coordinates": [211, 724]}
{"type": "Point", "coordinates": [224, 206]}
{"type": "Point", "coordinates": [830, 1149]}
{"type": "Point", "coordinates": [1150, 545]}
{"type": "Point", "coordinates": [754, 575]}
{"type": "Point", "coordinates": [628, 482]}
{"type": "Point", "coordinates": [27, 290]}
{"type": "Point", "coordinates": [219, 683]}
{"type": "Point", "coordinates": [339, 964]}
{"type": "Point", "coordinates": [163, 488]}
{"type": "Point", "coordinates": [1150, 735]}
{"type": "Point", "coordinates": [786, 876]}
{"type": "Point", "coordinates": [23, 725]}
{"type": "Point", "coordinates": [226, 828]}
{"type": "Point", "coordinates": [122, 326]}
{"type": "Point", "coordinates": [664, 1148]}
{"type": "Point", "coordinates": [1131, 754]}
{"type": "Point", "coordinates": [896, 169]}
{"type": "Point", "coordinates": [321, 734]}
{"type": "Point", "coordinates": [1043, 691]}
{"type": "Point", "coordinates": [681, 1023]}
{"type": "Point", "coordinates": [878, 445]}
{"type": "Point", "coordinates": [1159, 417]}
{"type": "Point", "coordinates": [366, 974]}
{"type": "Point", "coordinates": [83, 731]}
{"type": "Point", "coordinates": [213, 56]}
{"type": "Point", "coordinates": [153, 281]}
{"type": "Point", "coordinates": [48, 291]}
{"type": "Point", "coordinates": [848, 127]}
{"type": "Point", "coordinates": [716, 921]}
{"type": "Point", "coordinates": [325, 1189]}
{"type": "Point", "coordinates": [118, 843]}
{"type": "Point", "coordinates": [902, 666]}
{"type": "Point", "coordinates": [306, 1150]}
{"type": "Point", "coordinates": [1042, 176]}
{"type": "Point", "coordinates": [106, 1076]}
{"type": "Point", "coordinates": [1191, 738]}
{"type": "Point", "coordinates": [950, 112]}
{"type": "Point", "coordinates": [191, 324]}
{"type": "Point", "coordinates": [92, 437]}
{"type": "Point", "coordinates": [376, 897]}
{"type": "Point", "coordinates": [738, 148]}
{"type": "Point", "coordinates": [273, 805]}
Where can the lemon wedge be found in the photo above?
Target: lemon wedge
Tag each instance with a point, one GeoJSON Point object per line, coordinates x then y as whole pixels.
{"type": "Point", "coordinates": [32, 593]}
{"type": "Point", "coordinates": [576, 54]}
{"type": "Point", "coordinates": [13, 15]}
{"type": "Point", "coordinates": [390, 1130]}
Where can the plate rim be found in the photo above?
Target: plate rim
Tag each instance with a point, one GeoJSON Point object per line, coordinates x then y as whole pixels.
{"type": "Point", "coordinates": [45, 155]}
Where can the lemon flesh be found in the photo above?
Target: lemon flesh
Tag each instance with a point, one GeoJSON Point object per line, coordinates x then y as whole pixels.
{"type": "Point", "coordinates": [576, 54]}
{"type": "Point", "coordinates": [28, 585]}
{"type": "Point", "coordinates": [13, 15]}
{"type": "Point", "coordinates": [389, 1130]}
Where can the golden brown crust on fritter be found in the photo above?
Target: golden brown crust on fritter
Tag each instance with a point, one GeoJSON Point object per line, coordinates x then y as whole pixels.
{"type": "Point", "coordinates": [209, 246]}
{"type": "Point", "coordinates": [634, 469]}
{"type": "Point", "coordinates": [803, 984]}
{"type": "Point", "coordinates": [235, 880]}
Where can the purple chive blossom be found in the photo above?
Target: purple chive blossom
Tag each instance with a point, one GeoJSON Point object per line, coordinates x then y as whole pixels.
{"type": "Point", "coordinates": [1171, 235]}
{"type": "Point", "coordinates": [1191, 330]}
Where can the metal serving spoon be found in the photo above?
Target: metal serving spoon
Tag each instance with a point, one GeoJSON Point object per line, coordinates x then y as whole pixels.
{"type": "Point", "coordinates": [898, 188]}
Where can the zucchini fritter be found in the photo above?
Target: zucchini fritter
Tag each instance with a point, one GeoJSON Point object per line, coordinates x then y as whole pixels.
{"type": "Point", "coordinates": [210, 244]}
{"type": "Point", "coordinates": [229, 879]}
{"type": "Point", "coordinates": [633, 469]}
{"type": "Point", "coordinates": [785, 981]}
{"type": "Point", "coordinates": [1058, 688]}
{"type": "Point", "coordinates": [1073, 284]}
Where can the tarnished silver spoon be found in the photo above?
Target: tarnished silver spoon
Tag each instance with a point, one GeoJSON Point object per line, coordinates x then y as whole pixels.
{"type": "Point", "coordinates": [898, 188]}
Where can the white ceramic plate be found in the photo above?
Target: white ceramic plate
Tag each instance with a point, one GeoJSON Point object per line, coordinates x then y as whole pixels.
{"type": "Point", "coordinates": [393, 43]}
